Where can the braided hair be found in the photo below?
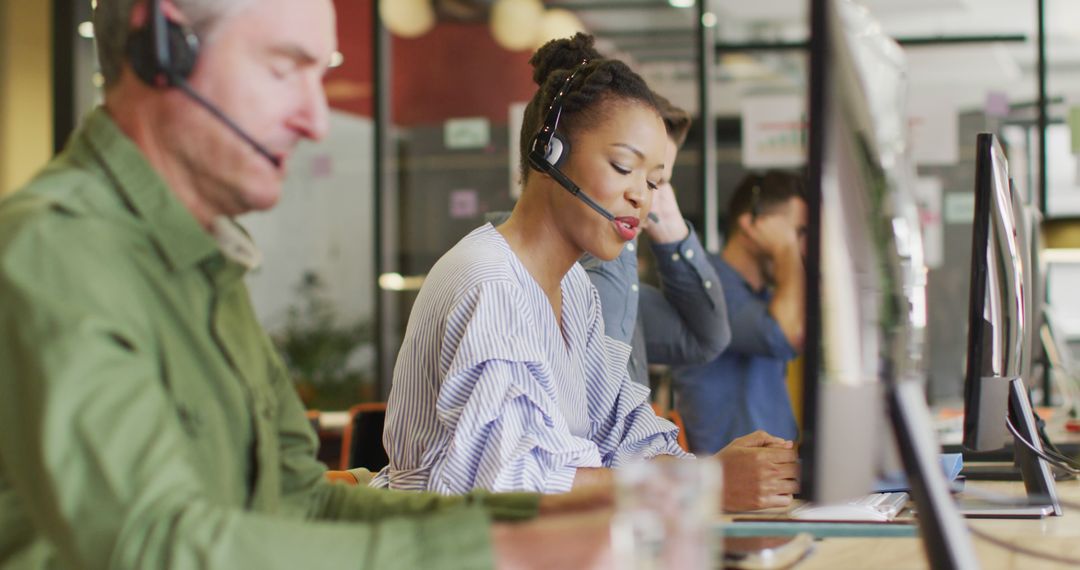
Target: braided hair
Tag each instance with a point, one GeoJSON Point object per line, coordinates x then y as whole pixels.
{"type": "Point", "coordinates": [587, 100]}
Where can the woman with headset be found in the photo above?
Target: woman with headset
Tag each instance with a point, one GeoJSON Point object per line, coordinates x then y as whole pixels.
{"type": "Point", "coordinates": [506, 380]}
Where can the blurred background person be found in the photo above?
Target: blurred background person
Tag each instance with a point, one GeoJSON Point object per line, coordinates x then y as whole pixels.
{"type": "Point", "coordinates": [761, 270]}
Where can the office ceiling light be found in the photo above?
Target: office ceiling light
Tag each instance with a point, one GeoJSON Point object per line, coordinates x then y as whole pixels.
{"type": "Point", "coordinates": [407, 18]}
{"type": "Point", "coordinates": [399, 282]}
{"type": "Point", "coordinates": [86, 30]}
{"type": "Point", "coordinates": [743, 67]}
{"type": "Point", "coordinates": [557, 23]}
{"type": "Point", "coordinates": [681, 3]}
{"type": "Point", "coordinates": [513, 23]}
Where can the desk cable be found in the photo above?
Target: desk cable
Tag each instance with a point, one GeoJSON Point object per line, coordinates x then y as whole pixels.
{"type": "Point", "coordinates": [1051, 457]}
{"type": "Point", "coordinates": [1048, 444]}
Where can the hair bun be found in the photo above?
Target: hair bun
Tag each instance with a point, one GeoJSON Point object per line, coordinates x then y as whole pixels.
{"type": "Point", "coordinates": [562, 54]}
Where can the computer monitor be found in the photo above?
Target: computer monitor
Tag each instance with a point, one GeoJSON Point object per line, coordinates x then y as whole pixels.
{"type": "Point", "coordinates": [864, 388]}
{"type": "Point", "coordinates": [850, 292]}
{"type": "Point", "coordinates": [996, 304]}
{"type": "Point", "coordinates": [998, 333]}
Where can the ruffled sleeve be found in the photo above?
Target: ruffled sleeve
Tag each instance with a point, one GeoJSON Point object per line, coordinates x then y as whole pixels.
{"type": "Point", "coordinates": [624, 426]}
{"type": "Point", "coordinates": [498, 405]}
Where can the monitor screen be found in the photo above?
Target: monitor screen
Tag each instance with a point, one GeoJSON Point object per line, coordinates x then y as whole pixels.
{"type": "Point", "coordinates": [997, 308]}
{"type": "Point", "coordinates": [861, 233]}
{"type": "Point", "coordinates": [864, 386]}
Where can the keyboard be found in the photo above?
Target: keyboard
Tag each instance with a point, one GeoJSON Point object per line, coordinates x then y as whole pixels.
{"type": "Point", "coordinates": [876, 507]}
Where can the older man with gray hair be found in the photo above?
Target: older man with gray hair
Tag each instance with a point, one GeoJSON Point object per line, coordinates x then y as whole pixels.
{"type": "Point", "coordinates": [146, 422]}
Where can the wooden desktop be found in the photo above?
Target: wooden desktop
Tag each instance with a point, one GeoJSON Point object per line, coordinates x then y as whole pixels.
{"type": "Point", "coordinates": [1059, 536]}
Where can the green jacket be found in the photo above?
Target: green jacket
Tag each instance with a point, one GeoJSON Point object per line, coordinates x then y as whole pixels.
{"type": "Point", "coordinates": [145, 419]}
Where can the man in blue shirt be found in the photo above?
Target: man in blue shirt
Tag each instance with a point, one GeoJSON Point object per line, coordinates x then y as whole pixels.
{"type": "Point", "coordinates": [761, 273]}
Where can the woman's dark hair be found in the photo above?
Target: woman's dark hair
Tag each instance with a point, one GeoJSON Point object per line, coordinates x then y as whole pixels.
{"type": "Point", "coordinates": [759, 194]}
{"type": "Point", "coordinates": [598, 82]}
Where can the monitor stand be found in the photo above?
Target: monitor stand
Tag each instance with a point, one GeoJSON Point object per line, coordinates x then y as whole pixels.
{"type": "Point", "coordinates": [1003, 464]}
{"type": "Point", "coordinates": [944, 533]}
{"type": "Point", "coordinates": [1034, 470]}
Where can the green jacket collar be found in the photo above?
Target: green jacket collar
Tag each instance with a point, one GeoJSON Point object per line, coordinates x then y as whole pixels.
{"type": "Point", "coordinates": [175, 231]}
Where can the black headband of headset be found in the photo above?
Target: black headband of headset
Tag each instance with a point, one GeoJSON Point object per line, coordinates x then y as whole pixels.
{"type": "Point", "coordinates": [551, 121]}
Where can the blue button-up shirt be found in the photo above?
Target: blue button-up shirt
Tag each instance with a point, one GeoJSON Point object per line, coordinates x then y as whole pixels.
{"type": "Point", "coordinates": [744, 389]}
{"type": "Point", "coordinates": [684, 322]}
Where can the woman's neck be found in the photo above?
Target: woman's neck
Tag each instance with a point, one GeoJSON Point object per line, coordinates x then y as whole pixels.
{"type": "Point", "coordinates": [537, 241]}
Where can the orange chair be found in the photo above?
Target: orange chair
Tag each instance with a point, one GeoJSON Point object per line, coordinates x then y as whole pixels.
{"type": "Point", "coordinates": [361, 442]}
{"type": "Point", "coordinates": [341, 477]}
{"type": "Point", "coordinates": [673, 416]}
{"type": "Point", "coordinates": [313, 417]}
{"type": "Point", "coordinates": [676, 419]}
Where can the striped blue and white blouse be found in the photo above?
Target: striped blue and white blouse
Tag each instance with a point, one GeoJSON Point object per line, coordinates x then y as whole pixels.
{"type": "Point", "coordinates": [489, 393]}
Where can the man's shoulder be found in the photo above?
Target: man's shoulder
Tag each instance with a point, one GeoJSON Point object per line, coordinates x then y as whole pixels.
{"type": "Point", "coordinates": [62, 216]}
{"type": "Point", "coordinates": [62, 191]}
{"type": "Point", "coordinates": [724, 270]}
{"type": "Point", "coordinates": [736, 290]}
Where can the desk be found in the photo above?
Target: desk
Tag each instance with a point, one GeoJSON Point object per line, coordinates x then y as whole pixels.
{"type": "Point", "coordinates": [1056, 535]}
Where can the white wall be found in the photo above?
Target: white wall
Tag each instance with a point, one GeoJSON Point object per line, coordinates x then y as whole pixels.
{"type": "Point", "coordinates": [325, 223]}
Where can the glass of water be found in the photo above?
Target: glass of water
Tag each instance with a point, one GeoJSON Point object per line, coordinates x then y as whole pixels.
{"type": "Point", "coordinates": [665, 512]}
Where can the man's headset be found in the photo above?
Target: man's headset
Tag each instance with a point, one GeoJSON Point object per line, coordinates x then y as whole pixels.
{"type": "Point", "coordinates": [549, 150]}
{"type": "Point", "coordinates": [163, 54]}
{"type": "Point", "coordinates": [755, 197]}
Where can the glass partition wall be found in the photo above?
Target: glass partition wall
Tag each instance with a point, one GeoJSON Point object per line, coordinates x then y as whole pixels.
{"type": "Point", "coordinates": [426, 98]}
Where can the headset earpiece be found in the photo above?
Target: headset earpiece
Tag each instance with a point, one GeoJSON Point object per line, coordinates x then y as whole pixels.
{"type": "Point", "coordinates": [755, 199]}
{"type": "Point", "coordinates": [183, 52]}
{"type": "Point", "coordinates": [557, 151]}
{"type": "Point", "coordinates": [554, 157]}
